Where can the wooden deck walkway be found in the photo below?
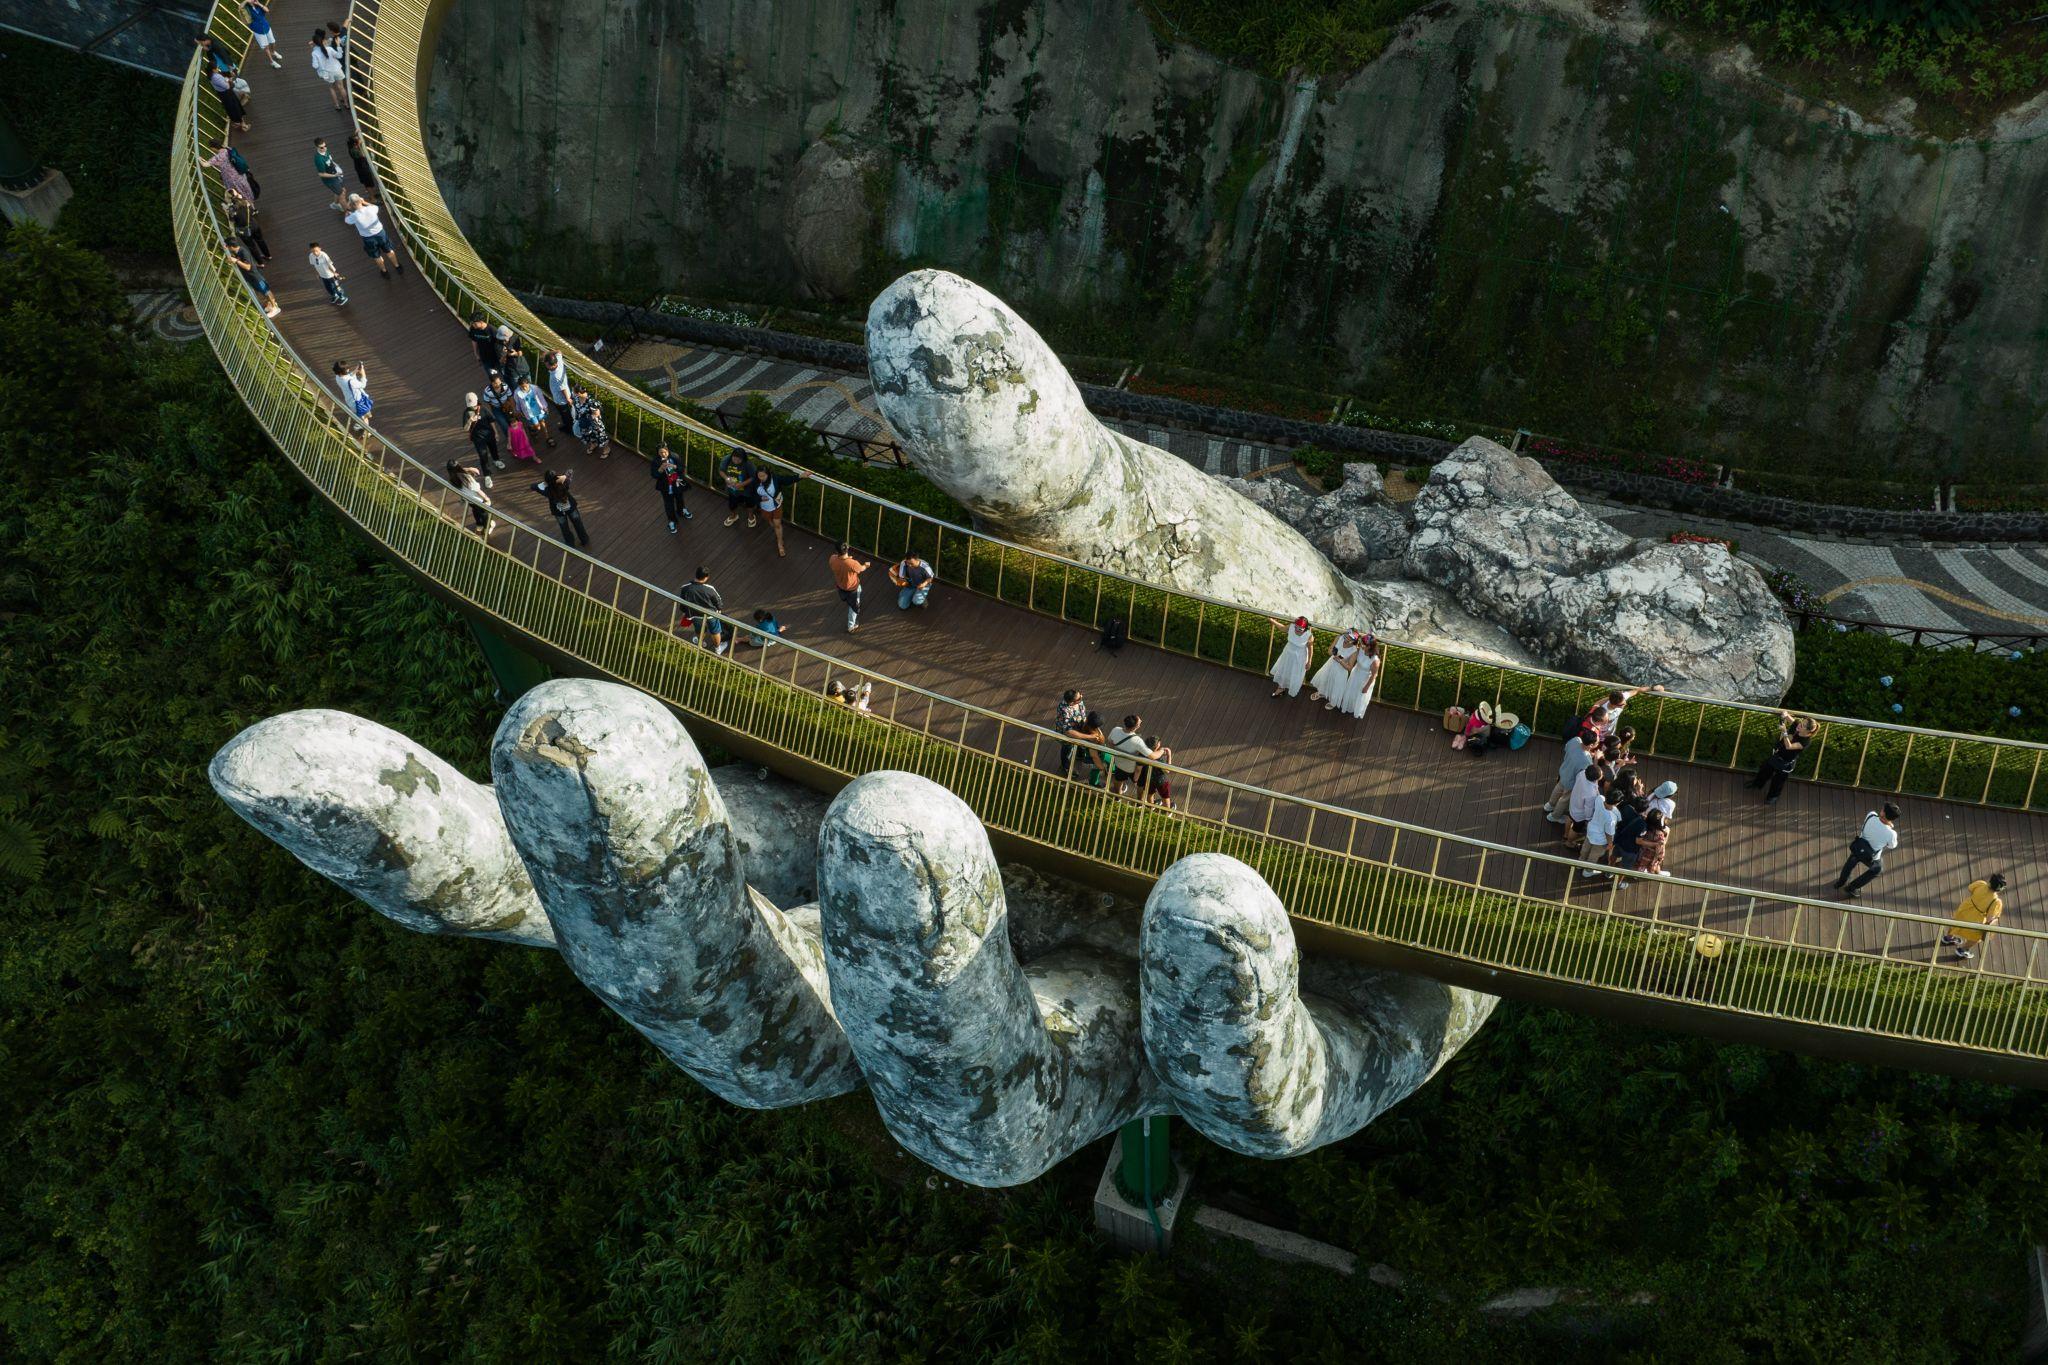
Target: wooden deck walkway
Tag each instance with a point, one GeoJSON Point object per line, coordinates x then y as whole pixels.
{"type": "Point", "coordinates": [1394, 763]}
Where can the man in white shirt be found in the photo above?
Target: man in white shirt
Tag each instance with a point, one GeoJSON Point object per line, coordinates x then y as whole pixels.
{"type": "Point", "coordinates": [1128, 746]}
{"type": "Point", "coordinates": [1880, 835]}
{"type": "Point", "coordinates": [1600, 832]}
{"type": "Point", "coordinates": [1584, 801]}
{"type": "Point", "coordinates": [369, 225]}
{"type": "Point", "coordinates": [323, 266]}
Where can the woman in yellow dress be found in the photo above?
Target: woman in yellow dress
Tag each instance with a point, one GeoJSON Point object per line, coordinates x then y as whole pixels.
{"type": "Point", "coordinates": [1982, 906]}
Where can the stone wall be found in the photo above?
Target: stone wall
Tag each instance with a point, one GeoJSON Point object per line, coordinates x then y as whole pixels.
{"type": "Point", "coordinates": [1764, 509]}
{"type": "Point", "coordinates": [1538, 218]}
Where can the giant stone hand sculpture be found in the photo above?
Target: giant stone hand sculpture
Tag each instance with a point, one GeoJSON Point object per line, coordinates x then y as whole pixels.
{"type": "Point", "coordinates": [606, 837]}
{"type": "Point", "coordinates": [992, 416]}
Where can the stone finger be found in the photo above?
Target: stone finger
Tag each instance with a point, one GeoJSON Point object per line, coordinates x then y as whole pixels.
{"type": "Point", "coordinates": [1247, 1058]}
{"type": "Point", "coordinates": [630, 848]}
{"type": "Point", "coordinates": [990, 1071]}
{"type": "Point", "coordinates": [385, 820]}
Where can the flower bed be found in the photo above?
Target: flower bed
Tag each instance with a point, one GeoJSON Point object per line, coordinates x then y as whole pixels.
{"type": "Point", "coordinates": [1694, 538]}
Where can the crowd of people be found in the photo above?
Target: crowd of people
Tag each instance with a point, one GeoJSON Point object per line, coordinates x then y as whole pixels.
{"type": "Point", "coordinates": [1348, 676]}
{"type": "Point", "coordinates": [1611, 817]}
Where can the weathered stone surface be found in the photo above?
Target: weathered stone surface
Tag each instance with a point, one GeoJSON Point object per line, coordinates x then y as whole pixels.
{"type": "Point", "coordinates": [775, 826]}
{"type": "Point", "coordinates": [1250, 1061]}
{"type": "Point", "coordinates": [990, 1071]}
{"type": "Point", "coordinates": [629, 847]}
{"type": "Point", "coordinates": [829, 218]}
{"type": "Point", "coordinates": [1496, 531]}
{"type": "Point", "coordinates": [385, 820]}
{"type": "Point", "coordinates": [1352, 524]}
{"type": "Point", "coordinates": [990, 415]}
{"type": "Point", "coordinates": [1692, 617]}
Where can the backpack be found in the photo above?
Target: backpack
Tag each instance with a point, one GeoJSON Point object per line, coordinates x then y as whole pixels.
{"type": "Point", "coordinates": [1113, 635]}
{"type": "Point", "coordinates": [236, 160]}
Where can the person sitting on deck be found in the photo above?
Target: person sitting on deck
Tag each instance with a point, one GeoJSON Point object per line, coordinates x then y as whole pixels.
{"type": "Point", "coordinates": [855, 698]}
{"type": "Point", "coordinates": [913, 577]}
{"type": "Point", "coordinates": [1127, 746]}
{"type": "Point", "coordinates": [765, 631]}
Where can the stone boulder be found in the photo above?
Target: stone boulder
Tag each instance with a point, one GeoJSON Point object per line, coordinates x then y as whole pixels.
{"type": "Point", "coordinates": [1692, 617]}
{"type": "Point", "coordinates": [1353, 524]}
{"type": "Point", "coordinates": [1515, 549]}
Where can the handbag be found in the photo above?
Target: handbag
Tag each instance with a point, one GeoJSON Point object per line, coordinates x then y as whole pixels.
{"type": "Point", "coordinates": [241, 88]}
{"type": "Point", "coordinates": [1518, 736]}
{"type": "Point", "coordinates": [363, 405]}
{"type": "Point", "coordinates": [1454, 721]}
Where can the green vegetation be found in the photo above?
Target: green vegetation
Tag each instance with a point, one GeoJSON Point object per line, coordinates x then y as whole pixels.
{"type": "Point", "coordinates": [1972, 55]}
{"type": "Point", "coordinates": [83, 117]}
{"type": "Point", "coordinates": [1288, 37]}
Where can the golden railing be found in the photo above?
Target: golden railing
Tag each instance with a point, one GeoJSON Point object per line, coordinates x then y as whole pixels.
{"type": "Point", "coordinates": [1509, 911]}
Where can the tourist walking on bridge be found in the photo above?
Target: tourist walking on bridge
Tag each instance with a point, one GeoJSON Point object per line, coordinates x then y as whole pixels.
{"type": "Point", "coordinates": [554, 375]}
{"type": "Point", "coordinates": [327, 65]}
{"type": "Point", "coordinates": [770, 490]}
{"type": "Point", "coordinates": [736, 473]}
{"type": "Point", "coordinates": [533, 409]}
{"type": "Point", "coordinates": [330, 278]}
{"type": "Point", "coordinates": [699, 593]}
{"type": "Point", "coordinates": [261, 33]}
{"type": "Point", "coordinates": [482, 430]}
{"type": "Point", "coordinates": [1290, 670]}
{"type": "Point", "coordinates": [363, 216]}
{"type": "Point", "coordinates": [1333, 680]}
{"type": "Point", "coordinates": [1793, 737]}
{"type": "Point", "coordinates": [483, 341]}
{"type": "Point", "coordinates": [1365, 676]}
{"type": "Point", "coordinates": [329, 174]}
{"type": "Point", "coordinates": [252, 275]}
{"type": "Point", "coordinates": [846, 572]}
{"type": "Point", "coordinates": [669, 482]}
{"type": "Point", "coordinates": [589, 420]}
{"type": "Point", "coordinates": [555, 488]}
{"type": "Point", "coordinates": [242, 221]}
{"type": "Point", "coordinates": [1879, 836]}
{"type": "Point", "coordinates": [354, 383]}
{"type": "Point", "coordinates": [469, 481]}
{"type": "Point", "coordinates": [1982, 907]}
{"type": "Point", "coordinates": [234, 170]}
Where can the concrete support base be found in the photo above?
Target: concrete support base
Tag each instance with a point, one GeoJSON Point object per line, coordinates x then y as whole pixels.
{"type": "Point", "coordinates": [1129, 1225]}
{"type": "Point", "coordinates": [40, 203]}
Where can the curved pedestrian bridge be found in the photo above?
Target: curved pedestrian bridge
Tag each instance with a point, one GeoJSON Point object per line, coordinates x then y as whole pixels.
{"type": "Point", "coordinates": [1384, 845]}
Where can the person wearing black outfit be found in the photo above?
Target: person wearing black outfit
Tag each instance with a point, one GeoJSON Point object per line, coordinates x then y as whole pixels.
{"type": "Point", "coordinates": [668, 481]}
{"type": "Point", "coordinates": [483, 432]}
{"type": "Point", "coordinates": [555, 488]}
{"type": "Point", "coordinates": [483, 339]}
{"type": "Point", "coordinates": [1793, 737]}
{"type": "Point", "coordinates": [242, 219]}
{"type": "Point", "coordinates": [736, 472]}
{"type": "Point", "coordinates": [513, 361]}
{"type": "Point", "coordinates": [699, 593]}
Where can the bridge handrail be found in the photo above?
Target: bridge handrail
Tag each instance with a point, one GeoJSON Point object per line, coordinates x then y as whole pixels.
{"type": "Point", "coordinates": [1950, 765]}
{"type": "Point", "coordinates": [1348, 873]}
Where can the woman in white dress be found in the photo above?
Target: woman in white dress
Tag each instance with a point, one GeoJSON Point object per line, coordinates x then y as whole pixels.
{"type": "Point", "coordinates": [1364, 678]}
{"type": "Point", "coordinates": [1333, 680]}
{"type": "Point", "coordinates": [1291, 668]}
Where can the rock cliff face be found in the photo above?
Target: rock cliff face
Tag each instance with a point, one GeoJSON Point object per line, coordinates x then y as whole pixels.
{"type": "Point", "coordinates": [1501, 195]}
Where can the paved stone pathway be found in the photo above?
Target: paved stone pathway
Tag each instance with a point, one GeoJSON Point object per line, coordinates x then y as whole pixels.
{"type": "Point", "coordinates": [1999, 589]}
